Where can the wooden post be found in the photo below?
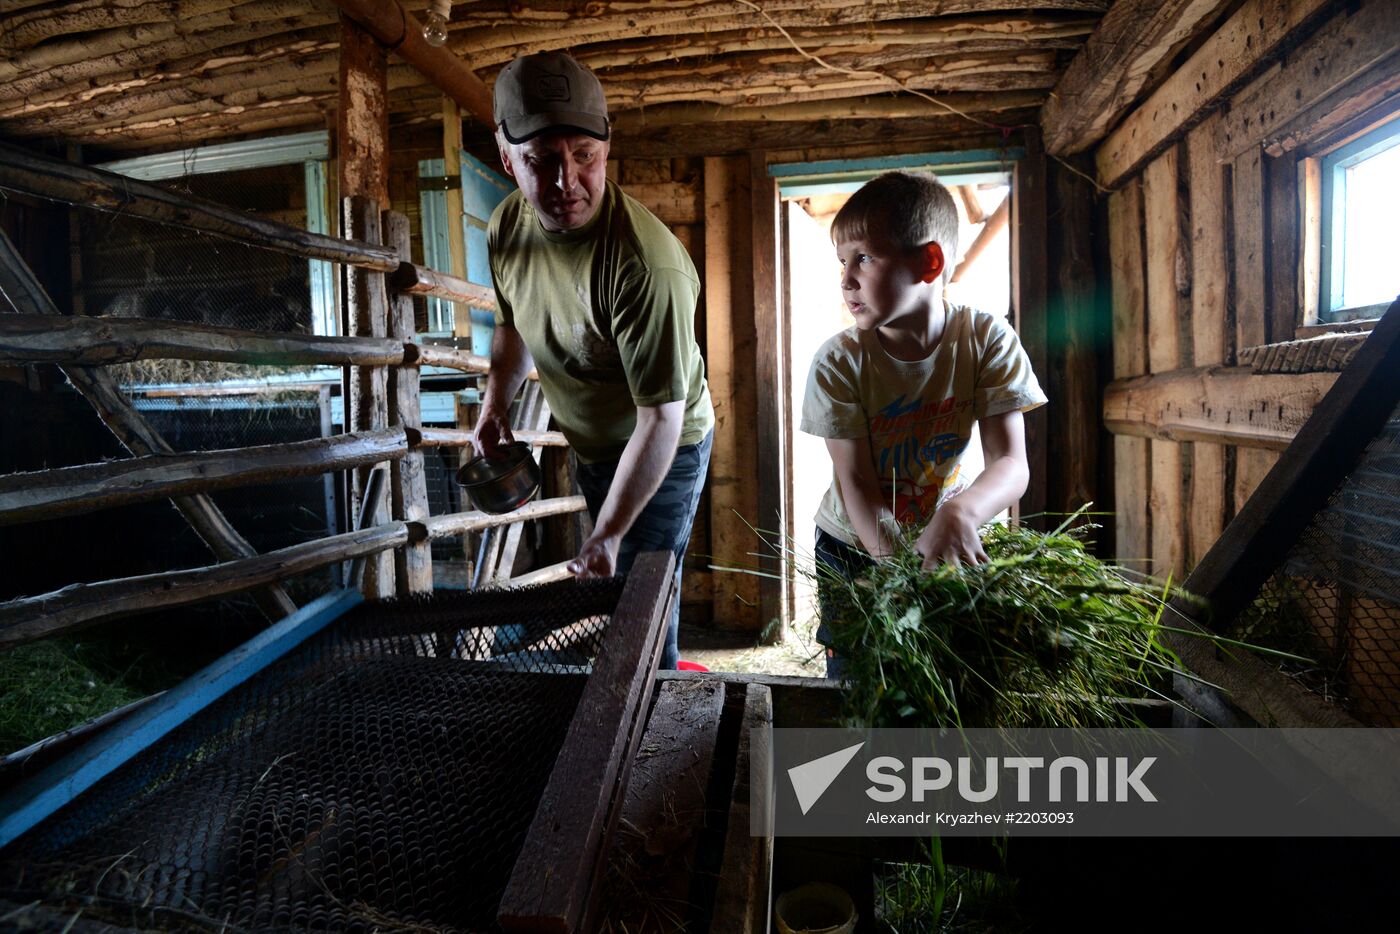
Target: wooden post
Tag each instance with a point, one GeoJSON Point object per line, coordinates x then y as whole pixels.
{"type": "Point", "coordinates": [1029, 291]}
{"type": "Point", "coordinates": [19, 284]}
{"type": "Point", "coordinates": [730, 341]}
{"type": "Point", "coordinates": [1131, 529]}
{"type": "Point", "coordinates": [413, 564]}
{"type": "Point", "coordinates": [771, 439]}
{"type": "Point", "coordinates": [366, 299]}
{"type": "Point", "coordinates": [362, 120]}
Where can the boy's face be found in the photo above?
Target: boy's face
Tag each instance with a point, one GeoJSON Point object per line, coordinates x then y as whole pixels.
{"type": "Point", "coordinates": [882, 282]}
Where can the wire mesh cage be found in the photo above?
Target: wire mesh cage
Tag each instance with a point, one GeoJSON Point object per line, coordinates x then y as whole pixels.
{"type": "Point", "coordinates": [381, 777]}
{"type": "Point", "coordinates": [1335, 600]}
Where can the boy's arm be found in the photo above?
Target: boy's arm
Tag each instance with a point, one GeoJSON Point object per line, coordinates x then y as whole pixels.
{"type": "Point", "coordinates": [860, 491]}
{"type": "Point", "coordinates": [952, 534]}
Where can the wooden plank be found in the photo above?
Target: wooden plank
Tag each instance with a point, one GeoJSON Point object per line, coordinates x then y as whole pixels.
{"type": "Point", "coordinates": [413, 564]}
{"type": "Point", "coordinates": [77, 606]}
{"type": "Point", "coordinates": [1364, 101]}
{"type": "Point", "coordinates": [1127, 47]}
{"type": "Point", "coordinates": [672, 202]}
{"type": "Point", "coordinates": [43, 794]}
{"type": "Point", "coordinates": [26, 339]}
{"type": "Point", "coordinates": [1222, 405]}
{"type": "Point", "coordinates": [1129, 280]}
{"type": "Point", "coordinates": [69, 491]}
{"type": "Point", "coordinates": [1284, 220]}
{"type": "Point", "coordinates": [1131, 491]}
{"type": "Point", "coordinates": [1168, 510]}
{"type": "Point", "coordinates": [768, 372]}
{"type": "Point", "coordinates": [552, 885]}
{"type": "Point", "coordinates": [1251, 250]}
{"type": "Point", "coordinates": [1241, 48]}
{"type": "Point", "coordinates": [462, 438]}
{"type": "Point", "coordinates": [973, 207]}
{"type": "Point", "coordinates": [362, 116]}
{"type": "Point", "coordinates": [665, 807]}
{"type": "Point", "coordinates": [135, 434]}
{"type": "Point", "coordinates": [104, 191]}
{"type": "Point", "coordinates": [457, 523]}
{"type": "Point", "coordinates": [729, 342]}
{"type": "Point", "coordinates": [1251, 467]}
{"type": "Point", "coordinates": [1349, 45]}
{"type": "Point", "coordinates": [367, 305]}
{"type": "Point", "coordinates": [742, 902]}
{"type": "Point", "coordinates": [1167, 268]}
{"type": "Point", "coordinates": [1310, 250]}
{"type": "Point", "coordinates": [1327, 447]}
{"type": "Point", "coordinates": [1074, 381]}
{"type": "Point", "coordinates": [535, 419]}
{"type": "Point", "coordinates": [1030, 305]}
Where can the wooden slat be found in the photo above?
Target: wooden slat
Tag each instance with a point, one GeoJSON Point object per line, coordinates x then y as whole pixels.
{"type": "Point", "coordinates": [1251, 250]}
{"type": "Point", "coordinates": [367, 308]}
{"type": "Point", "coordinates": [1246, 43]}
{"type": "Point", "coordinates": [1130, 480]}
{"type": "Point", "coordinates": [1284, 220]}
{"type": "Point", "coordinates": [413, 564]}
{"type": "Point", "coordinates": [742, 902]}
{"type": "Point", "coordinates": [1104, 79]}
{"type": "Point", "coordinates": [730, 341]}
{"type": "Point", "coordinates": [135, 434]}
{"type": "Point", "coordinates": [1129, 281]}
{"type": "Point", "coordinates": [1344, 48]}
{"type": "Point", "coordinates": [80, 605]}
{"type": "Point", "coordinates": [1030, 299]}
{"type": "Point", "coordinates": [454, 358]}
{"type": "Point", "coordinates": [1327, 447]}
{"type": "Point", "coordinates": [552, 885]}
{"type": "Point", "coordinates": [1168, 510]}
{"type": "Point", "coordinates": [1074, 380]}
{"type": "Point", "coordinates": [79, 341]}
{"type": "Point", "coordinates": [1222, 405]}
{"type": "Point", "coordinates": [420, 280]}
{"type": "Point", "coordinates": [462, 438]}
{"type": "Point", "coordinates": [770, 425]}
{"type": "Point", "coordinates": [46, 792]}
{"type": "Point", "coordinates": [68, 491]}
{"type": "Point", "coordinates": [459, 522]}
{"type": "Point", "coordinates": [104, 191]}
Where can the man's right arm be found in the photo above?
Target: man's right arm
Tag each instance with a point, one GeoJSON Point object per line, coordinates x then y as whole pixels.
{"type": "Point", "coordinates": [510, 362]}
{"type": "Point", "coordinates": [860, 492]}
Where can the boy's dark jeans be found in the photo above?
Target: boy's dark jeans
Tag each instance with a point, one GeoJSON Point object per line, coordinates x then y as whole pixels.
{"type": "Point", "coordinates": [849, 563]}
{"type": "Point", "coordinates": [665, 521]}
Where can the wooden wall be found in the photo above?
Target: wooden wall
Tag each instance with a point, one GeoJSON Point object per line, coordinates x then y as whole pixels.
{"type": "Point", "coordinates": [1204, 225]}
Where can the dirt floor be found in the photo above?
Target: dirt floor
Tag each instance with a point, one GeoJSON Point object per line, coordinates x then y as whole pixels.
{"type": "Point", "coordinates": [797, 654]}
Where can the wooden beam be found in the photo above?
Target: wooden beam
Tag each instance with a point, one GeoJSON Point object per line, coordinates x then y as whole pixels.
{"type": "Point", "coordinates": [367, 308]}
{"type": "Point", "coordinates": [458, 523]}
{"type": "Point", "coordinates": [75, 341]}
{"type": "Point", "coordinates": [78, 606]}
{"type": "Point", "coordinates": [117, 194]}
{"type": "Point", "coordinates": [1134, 38]}
{"type": "Point", "coordinates": [66, 491]}
{"type": "Point", "coordinates": [461, 438]}
{"type": "Point", "coordinates": [1223, 405]}
{"type": "Point", "coordinates": [551, 888]}
{"type": "Point", "coordinates": [746, 868]}
{"type": "Point", "coordinates": [973, 207]}
{"type": "Point", "coordinates": [362, 116]}
{"type": "Point", "coordinates": [1251, 249]}
{"type": "Point", "coordinates": [770, 426]}
{"type": "Point", "coordinates": [1030, 303]}
{"type": "Point", "coordinates": [420, 280]}
{"type": "Point", "coordinates": [844, 106]}
{"type": "Point", "coordinates": [993, 225]}
{"type": "Point", "coordinates": [413, 564]}
{"type": "Point", "coordinates": [23, 290]}
{"type": "Point", "coordinates": [395, 28]}
{"type": "Point", "coordinates": [1240, 49]}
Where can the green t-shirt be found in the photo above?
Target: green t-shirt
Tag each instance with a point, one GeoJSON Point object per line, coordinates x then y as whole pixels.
{"type": "Point", "coordinates": [917, 414]}
{"type": "Point", "coordinates": [608, 313]}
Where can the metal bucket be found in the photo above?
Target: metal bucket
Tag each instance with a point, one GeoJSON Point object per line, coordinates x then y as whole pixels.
{"type": "Point", "coordinates": [503, 483]}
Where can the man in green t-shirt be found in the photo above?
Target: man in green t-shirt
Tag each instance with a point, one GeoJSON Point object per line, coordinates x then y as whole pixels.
{"type": "Point", "coordinates": [598, 296]}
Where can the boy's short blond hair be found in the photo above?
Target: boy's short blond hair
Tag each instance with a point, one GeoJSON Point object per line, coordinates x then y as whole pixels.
{"type": "Point", "coordinates": [908, 208]}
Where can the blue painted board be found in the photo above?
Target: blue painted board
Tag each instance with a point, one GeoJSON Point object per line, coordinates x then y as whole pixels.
{"type": "Point", "coordinates": [40, 796]}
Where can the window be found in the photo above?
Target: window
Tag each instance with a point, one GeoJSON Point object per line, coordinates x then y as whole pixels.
{"type": "Point", "coordinates": [1360, 206]}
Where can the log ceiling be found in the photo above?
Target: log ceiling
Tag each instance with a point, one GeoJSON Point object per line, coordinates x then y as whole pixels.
{"type": "Point", "coordinates": [150, 74]}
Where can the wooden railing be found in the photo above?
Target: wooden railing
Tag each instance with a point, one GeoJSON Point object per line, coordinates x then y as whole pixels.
{"type": "Point", "coordinates": [381, 428]}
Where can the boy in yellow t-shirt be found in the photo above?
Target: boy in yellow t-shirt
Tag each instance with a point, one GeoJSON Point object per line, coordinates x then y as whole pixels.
{"type": "Point", "coordinates": [896, 395]}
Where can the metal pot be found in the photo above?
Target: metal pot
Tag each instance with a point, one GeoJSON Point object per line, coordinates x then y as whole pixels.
{"type": "Point", "coordinates": [502, 483]}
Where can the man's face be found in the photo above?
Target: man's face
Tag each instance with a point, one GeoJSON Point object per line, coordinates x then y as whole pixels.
{"type": "Point", "coordinates": [879, 281]}
{"type": "Point", "coordinates": [561, 175]}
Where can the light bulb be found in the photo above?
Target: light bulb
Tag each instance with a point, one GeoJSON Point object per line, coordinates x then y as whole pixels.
{"type": "Point", "coordinates": [435, 24]}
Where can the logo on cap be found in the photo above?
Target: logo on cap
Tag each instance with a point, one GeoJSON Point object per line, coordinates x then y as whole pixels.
{"type": "Point", "coordinates": [552, 88]}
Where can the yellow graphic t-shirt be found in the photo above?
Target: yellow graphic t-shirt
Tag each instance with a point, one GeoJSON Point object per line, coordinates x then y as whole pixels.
{"type": "Point", "coordinates": [917, 414]}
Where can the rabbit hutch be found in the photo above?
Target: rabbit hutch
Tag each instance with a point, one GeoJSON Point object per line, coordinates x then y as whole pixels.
{"type": "Point", "coordinates": [264, 667]}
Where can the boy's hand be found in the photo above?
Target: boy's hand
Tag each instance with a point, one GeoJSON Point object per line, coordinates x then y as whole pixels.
{"type": "Point", "coordinates": [951, 537]}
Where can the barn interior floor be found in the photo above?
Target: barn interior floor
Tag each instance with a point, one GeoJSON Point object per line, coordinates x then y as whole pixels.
{"type": "Point", "coordinates": [719, 650]}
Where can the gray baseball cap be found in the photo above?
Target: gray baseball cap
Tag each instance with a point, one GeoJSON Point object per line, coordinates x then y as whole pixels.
{"type": "Point", "coordinates": [550, 90]}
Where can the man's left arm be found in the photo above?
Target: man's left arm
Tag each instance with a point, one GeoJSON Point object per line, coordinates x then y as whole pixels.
{"type": "Point", "coordinates": [640, 470]}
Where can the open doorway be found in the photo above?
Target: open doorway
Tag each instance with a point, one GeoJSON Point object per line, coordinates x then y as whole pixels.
{"type": "Point", "coordinates": [811, 196]}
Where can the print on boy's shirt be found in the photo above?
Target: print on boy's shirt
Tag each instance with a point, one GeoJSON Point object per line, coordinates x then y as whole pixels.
{"type": "Point", "coordinates": [916, 446]}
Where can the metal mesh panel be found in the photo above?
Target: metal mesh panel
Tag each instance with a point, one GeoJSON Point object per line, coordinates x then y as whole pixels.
{"type": "Point", "coordinates": [364, 782]}
{"type": "Point", "coordinates": [1336, 598]}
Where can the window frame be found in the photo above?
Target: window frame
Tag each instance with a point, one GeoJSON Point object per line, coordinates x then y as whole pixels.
{"type": "Point", "coordinates": [1332, 169]}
